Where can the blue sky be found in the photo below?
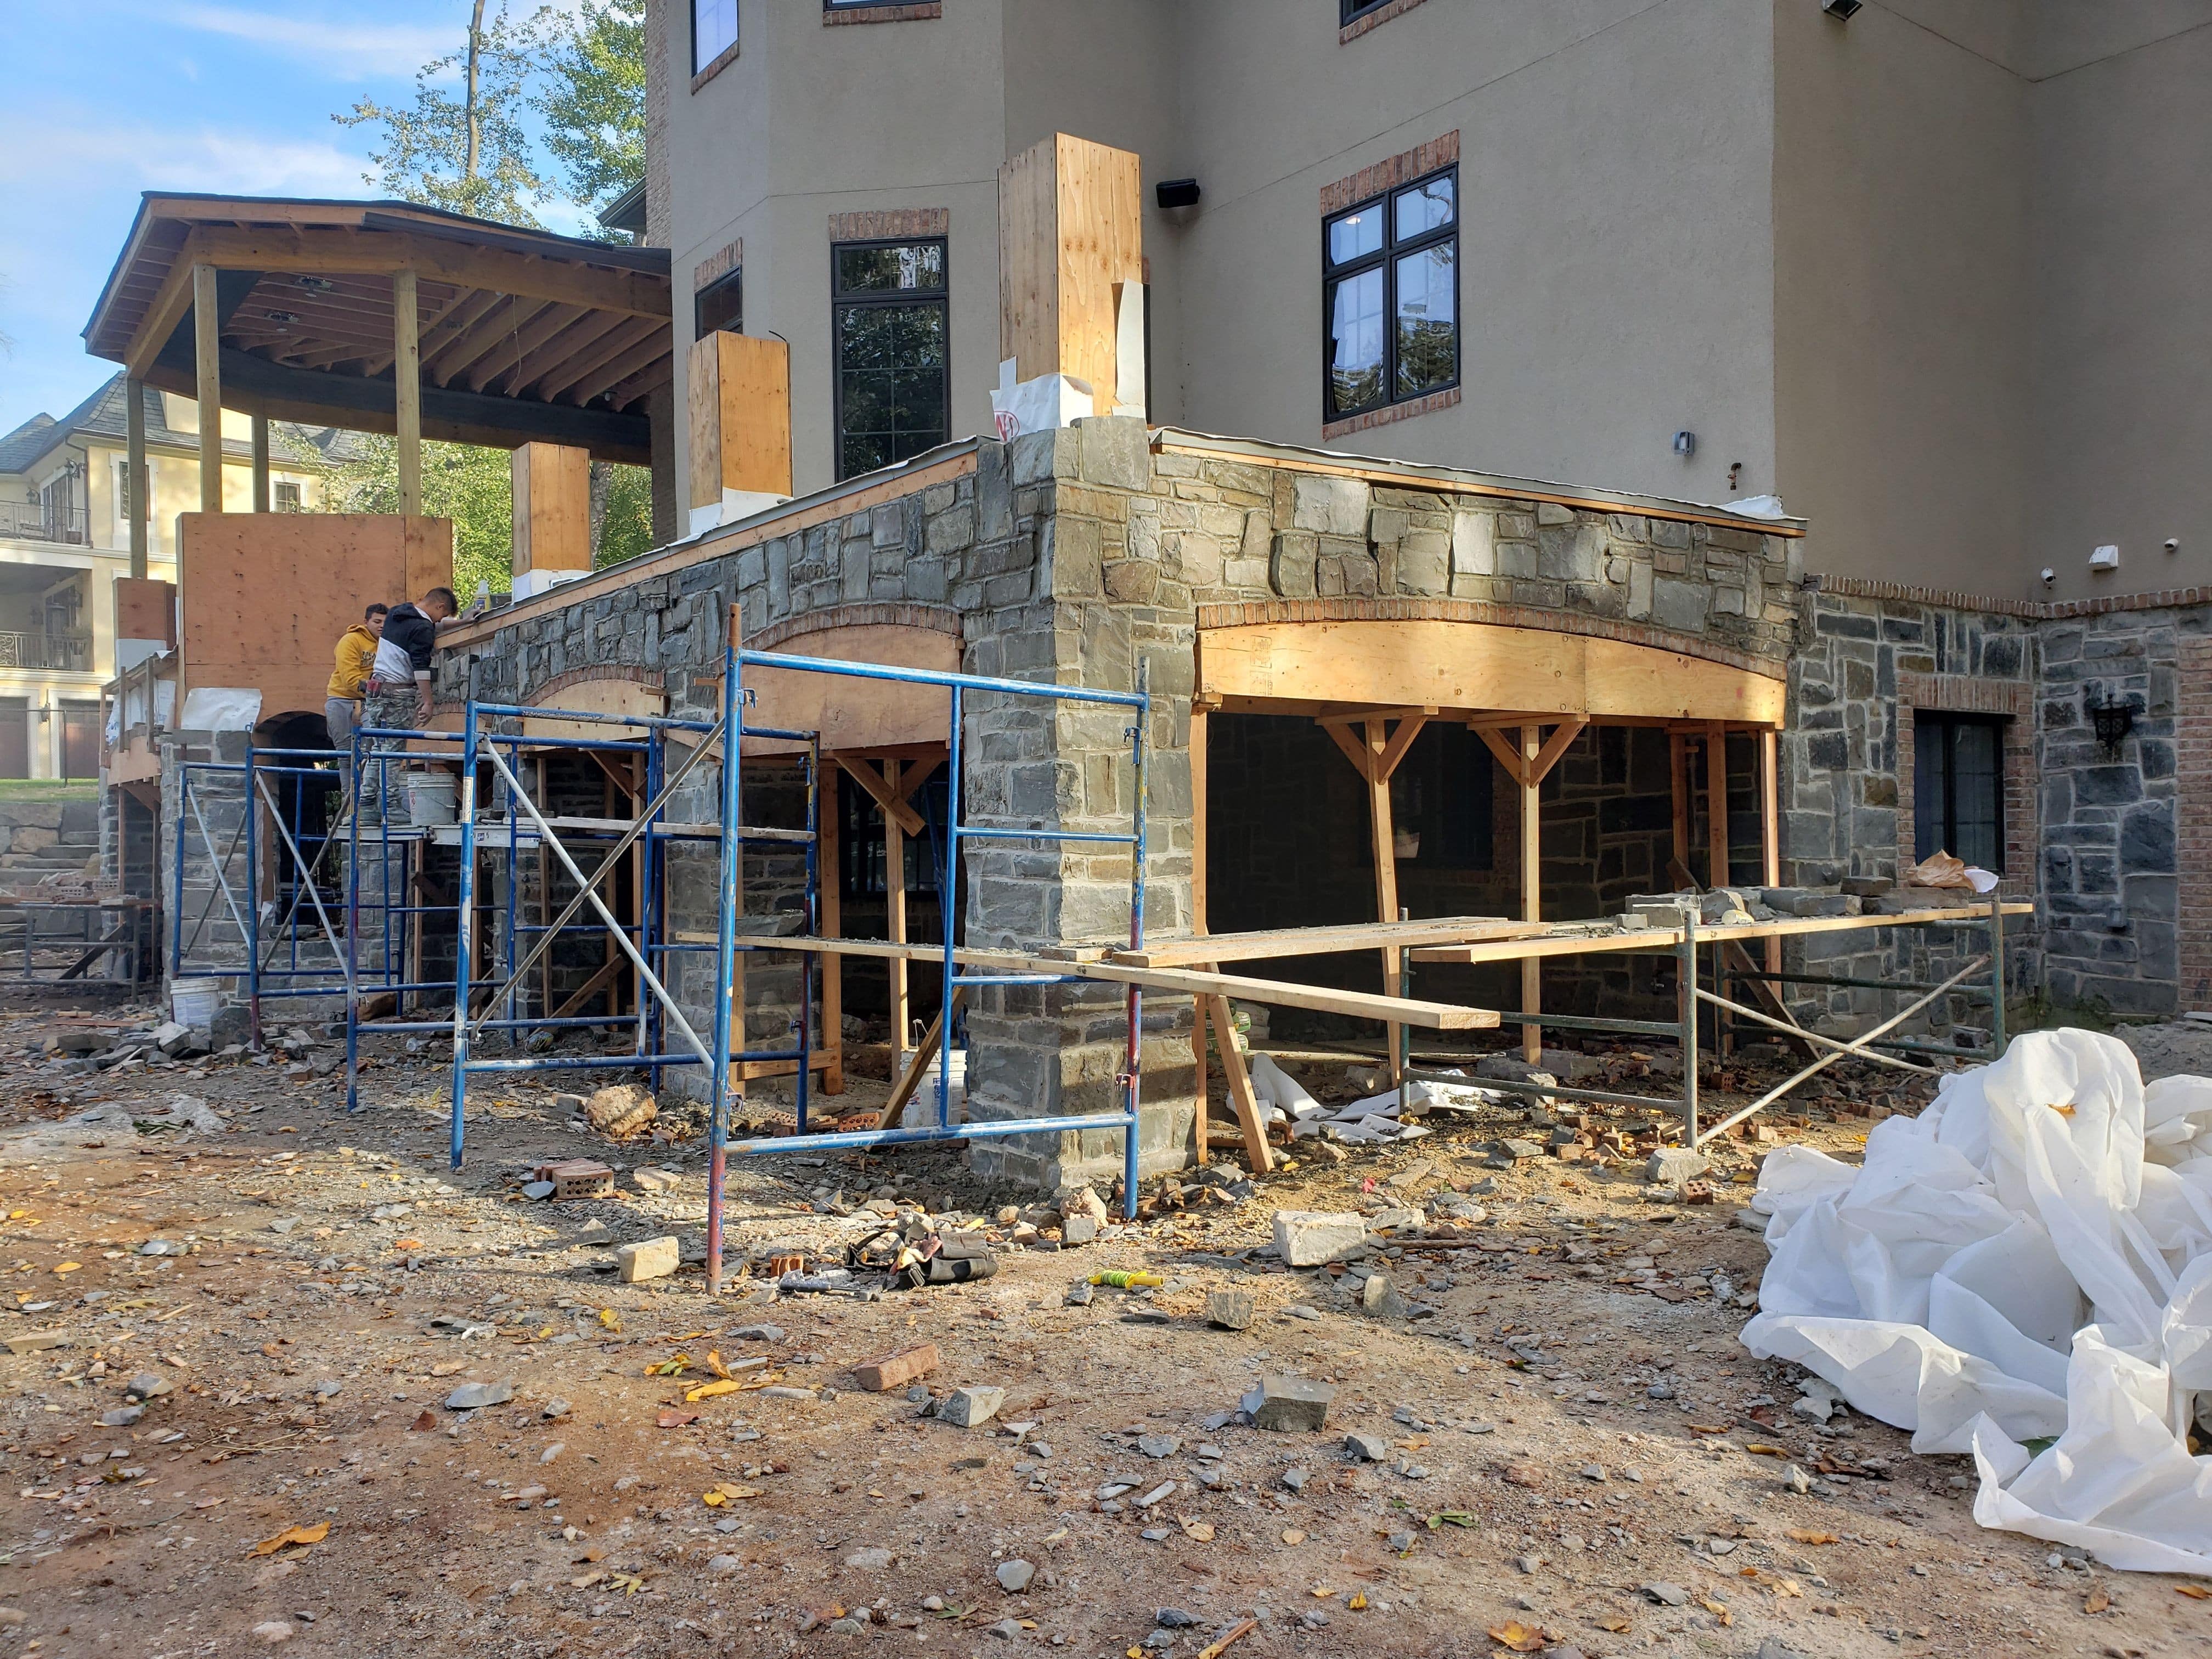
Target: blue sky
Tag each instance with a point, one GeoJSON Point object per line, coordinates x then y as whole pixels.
{"type": "Point", "coordinates": [108, 97]}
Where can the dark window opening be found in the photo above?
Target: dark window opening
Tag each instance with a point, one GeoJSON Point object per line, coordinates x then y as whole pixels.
{"type": "Point", "coordinates": [714, 31]}
{"type": "Point", "coordinates": [720, 306]}
{"type": "Point", "coordinates": [1958, 787]}
{"type": "Point", "coordinates": [1351, 10]}
{"type": "Point", "coordinates": [1440, 800]}
{"type": "Point", "coordinates": [891, 327]}
{"type": "Point", "coordinates": [1390, 297]}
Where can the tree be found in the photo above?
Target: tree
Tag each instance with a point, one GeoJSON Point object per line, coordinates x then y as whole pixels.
{"type": "Point", "coordinates": [472, 154]}
{"type": "Point", "coordinates": [473, 487]}
{"type": "Point", "coordinates": [594, 98]}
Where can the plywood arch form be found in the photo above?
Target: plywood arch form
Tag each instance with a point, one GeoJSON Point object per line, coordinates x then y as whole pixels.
{"type": "Point", "coordinates": [1472, 668]}
{"type": "Point", "coordinates": [632, 695]}
{"type": "Point", "coordinates": [855, 716]}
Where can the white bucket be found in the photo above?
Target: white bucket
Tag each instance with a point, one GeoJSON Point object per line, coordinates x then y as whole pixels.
{"type": "Point", "coordinates": [432, 798]}
{"type": "Point", "coordinates": [194, 1002]}
{"type": "Point", "coordinates": [921, 1110]}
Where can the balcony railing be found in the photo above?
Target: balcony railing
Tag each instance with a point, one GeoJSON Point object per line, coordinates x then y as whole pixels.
{"type": "Point", "coordinates": [67, 653]}
{"type": "Point", "coordinates": [33, 521]}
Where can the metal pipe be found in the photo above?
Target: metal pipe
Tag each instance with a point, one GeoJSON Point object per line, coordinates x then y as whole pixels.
{"type": "Point", "coordinates": [1686, 992]}
{"type": "Point", "coordinates": [465, 917]}
{"type": "Point", "coordinates": [1998, 1040]}
{"type": "Point", "coordinates": [1134, 1088]}
{"type": "Point", "coordinates": [1857, 984]}
{"type": "Point", "coordinates": [947, 890]}
{"type": "Point", "coordinates": [933, 677]}
{"type": "Point", "coordinates": [277, 818]}
{"type": "Point", "coordinates": [929, 1134]}
{"type": "Point", "coordinates": [725, 953]}
{"type": "Point", "coordinates": [1802, 1034]}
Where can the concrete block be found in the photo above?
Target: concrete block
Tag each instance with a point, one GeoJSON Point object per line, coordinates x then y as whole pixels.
{"type": "Point", "coordinates": [1673, 1166]}
{"type": "Point", "coordinates": [967, 1408]}
{"type": "Point", "coordinates": [649, 1258]}
{"type": "Point", "coordinates": [1289, 1405]}
{"type": "Point", "coordinates": [1228, 1310]}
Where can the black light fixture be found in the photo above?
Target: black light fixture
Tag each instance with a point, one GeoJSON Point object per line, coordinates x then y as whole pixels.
{"type": "Point", "coordinates": [2113, 719]}
{"type": "Point", "coordinates": [1841, 10]}
{"type": "Point", "coordinates": [1172, 193]}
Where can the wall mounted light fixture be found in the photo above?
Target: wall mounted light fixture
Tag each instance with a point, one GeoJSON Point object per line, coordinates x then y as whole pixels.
{"type": "Point", "coordinates": [2112, 718]}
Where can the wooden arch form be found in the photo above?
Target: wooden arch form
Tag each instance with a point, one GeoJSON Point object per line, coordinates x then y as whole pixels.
{"type": "Point", "coordinates": [1374, 683]}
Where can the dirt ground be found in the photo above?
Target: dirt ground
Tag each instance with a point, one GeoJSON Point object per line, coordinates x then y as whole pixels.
{"type": "Point", "coordinates": [1577, 1456]}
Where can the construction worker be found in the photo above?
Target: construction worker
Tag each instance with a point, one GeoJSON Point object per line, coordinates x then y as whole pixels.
{"type": "Point", "coordinates": [397, 695]}
{"type": "Point", "coordinates": [356, 652]}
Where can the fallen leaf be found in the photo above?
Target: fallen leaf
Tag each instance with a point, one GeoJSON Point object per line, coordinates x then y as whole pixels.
{"type": "Point", "coordinates": [1785, 1588]}
{"type": "Point", "coordinates": [674, 1419]}
{"type": "Point", "coordinates": [2194, 1592]}
{"type": "Point", "coordinates": [1756, 1449]}
{"type": "Point", "coordinates": [2096, 1601]}
{"type": "Point", "coordinates": [728, 1493]}
{"type": "Point", "coordinates": [708, 1391]}
{"type": "Point", "coordinates": [1358, 1602]}
{"type": "Point", "coordinates": [1452, 1518]}
{"type": "Point", "coordinates": [1293, 1537]}
{"type": "Point", "coordinates": [422, 1424]}
{"type": "Point", "coordinates": [714, 1364]}
{"type": "Point", "coordinates": [1805, 1537]}
{"type": "Point", "coordinates": [610, 1319]}
{"type": "Point", "coordinates": [1518, 1635]}
{"type": "Point", "coordinates": [68, 1266]}
{"type": "Point", "coordinates": [627, 1583]}
{"type": "Point", "coordinates": [1708, 1428]}
{"type": "Point", "coordinates": [1613, 1622]}
{"type": "Point", "coordinates": [1716, 1610]}
{"type": "Point", "coordinates": [676, 1367]}
{"type": "Point", "coordinates": [406, 1243]}
{"type": "Point", "coordinates": [1199, 1532]}
{"type": "Point", "coordinates": [313, 1534]}
{"type": "Point", "coordinates": [1322, 1592]}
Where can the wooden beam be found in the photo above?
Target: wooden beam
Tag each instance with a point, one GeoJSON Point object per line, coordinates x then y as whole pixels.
{"type": "Point", "coordinates": [207, 360]}
{"type": "Point", "coordinates": [1572, 941]}
{"type": "Point", "coordinates": [1532, 890]}
{"type": "Point", "coordinates": [1276, 994]}
{"type": "Point", "coordinates": [1508, 756]}
{"type": "Point", "coordinates": [1678, 763]}
{"type": "Point", "coordinates": [1257, 1153]}
{"type": "Point", "coordinates": [889, 1117]}
{"type": "Point", "coordinates": [645, 347]}
{"type": "Point", "coordinates": [407, 391]}
{"type": "Point", "coordinates": [1400, 740]}
{"type": "Point", "coordinates": [1198, 832]}
{"type": "Point", "coordinates": [474, 355]}
{"type": "Point", "coordinates": [739, 417]}
{"type": "Point", "coordinates": [1278, 943]}
{"type": "Point", "coordinates": [134, 474]}
{"type": "Point", "coordinates": [1555, 749]}
{"type": "Point", "coordinates": [260, 462]}
{"type": "Point", "coordinates": [1361, 716]}
{"type": "Point", "coordinates": [1202, 1129]}
{"type": "Point", "coordinates": [573, 336]}
{"type": "Point", "coordinates": [1354, 751]}
{"type": "Point", "coordinates": [830, 886]}
{"type": "Point", "coordinates": [1383, 845]}
{"type": "Point", "coordinates": [603, 980]}
{"type": "Point", "coordinates": [883, 793]}
{"type": "Point", "coordinates": [1717, 826]}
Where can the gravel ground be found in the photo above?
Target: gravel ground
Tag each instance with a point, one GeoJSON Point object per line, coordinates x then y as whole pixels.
{"type": "Point", "coordinates": [1576, 1455]}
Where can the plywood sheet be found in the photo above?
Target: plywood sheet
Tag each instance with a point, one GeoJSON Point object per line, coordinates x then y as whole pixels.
{"type": "Point", "coordinates": [552, 508]}
{"type": "Point", "coordinates": [145, 610]}
{"type": "Point", "coordinates": [1474, 666]}
{"type": "Point", "coordinates": [597, 697]}
{"type": "Point", "coordinates": [1071, 230]}
{"type": "Point", "coordinates": [266, 595]}
{"type": "Point", "coordinates": [740, 417]}
{"type": "Point", "coordinates": [856, 715]}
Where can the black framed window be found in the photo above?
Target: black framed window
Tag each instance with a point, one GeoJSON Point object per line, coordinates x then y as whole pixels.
{"type": "Point", "coordinates": [1390, 297]}
{"type": "Point", "coordinates": [1350, 10]}
{"type": "Point", "coordinates": [719, 306]}
{"type": "Point", "coordinates": [714, 31]}
{"type": "Point", "coordinates": [1958, 787]}
{"type": "Point", "coordinates": [890, 328]}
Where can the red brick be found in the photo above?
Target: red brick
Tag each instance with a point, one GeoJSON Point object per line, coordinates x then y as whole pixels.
{"type": "Point", "coordinates": [896, 1370]}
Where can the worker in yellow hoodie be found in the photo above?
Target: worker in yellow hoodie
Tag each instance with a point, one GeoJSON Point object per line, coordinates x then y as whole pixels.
{"type": "Point", "coordinates": [356, 652]}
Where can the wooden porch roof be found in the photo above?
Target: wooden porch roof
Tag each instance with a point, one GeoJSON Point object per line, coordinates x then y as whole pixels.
{"type": "Point", "coordinates": [525, 336]}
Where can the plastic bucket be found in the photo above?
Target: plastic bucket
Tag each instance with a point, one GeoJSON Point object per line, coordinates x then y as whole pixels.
{"type": "Point", "coordinates": [194, 1002]}
{"type": "Point", "coordinates": [432, 798]}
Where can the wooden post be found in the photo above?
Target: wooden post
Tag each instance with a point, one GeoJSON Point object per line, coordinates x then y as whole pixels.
{"type": "Point", "coordinates": [1386, 881]}
{"type": "Point", "coordinates": [207, 353]}
{"type": "Point", "coordinates": [1070, 236]}
{"type": "Point", "coordinates": [1201, 1134]}
{"type": "Point", "coordinates": [1532, 888]}
{"type": "Point", "coordinates": [1717, 824]}
{"type": "Point", "coordinates": [1678, 759]}
{"type": "Point", "coordinates": [1770, 830]}
{"type": "Point", "coordinates": [740, 417]}
{"type": "Point", "coordinates": [895, 912]}
{"type": "Point", "coordinates": [1258, 1158]}
{"type": "Point", "coordinates": [407, 391]}
{"type": "Point", "coordinates": [260, 462]}
{"type": "Point", "coordinates": [830, 877]}
{"type": "Point", "coordinates": [552, 517]}
{"type": "Point", "coordinates": [134, 474]}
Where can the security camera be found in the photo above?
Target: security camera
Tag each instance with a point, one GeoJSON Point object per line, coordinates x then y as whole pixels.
{"type": "Point", "coordinates": [2049, 575]}
{"type": "Point", "coordinates": [2174, 544]}
{"type": "Point", "coordinates": [1841, 10]}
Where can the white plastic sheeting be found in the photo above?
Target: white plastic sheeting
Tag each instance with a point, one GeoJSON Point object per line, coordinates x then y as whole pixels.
{"type": "Point", "coordinates": [2028, 1260]}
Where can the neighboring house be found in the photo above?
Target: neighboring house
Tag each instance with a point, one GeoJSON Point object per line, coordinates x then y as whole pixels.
{"type": "Point", "coordinates": [65, 536]}
{"type": "Point", "coordinates": [1930, 271]}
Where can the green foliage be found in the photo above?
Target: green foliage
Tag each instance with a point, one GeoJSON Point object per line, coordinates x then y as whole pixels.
{"type": "Point", "coordinates": [469, 152]}
{"type": "Point", "coordinates": [473, 487]}
{"type": "Point", "coordinates": [594, 98]}
{"type": "Point", "coordinates": [626, 530]}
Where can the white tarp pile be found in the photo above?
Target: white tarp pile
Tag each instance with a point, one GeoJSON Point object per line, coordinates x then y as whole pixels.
{"type": "Point", "coordinates": [1376, 1118]}
{"type": "Point", "coordinates": [2023, 1271]}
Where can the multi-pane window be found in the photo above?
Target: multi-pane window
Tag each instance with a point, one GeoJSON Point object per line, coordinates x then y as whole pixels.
{"type": "Point", "coordinates": [719, 306]}
{"type": "Point", "coordinates": [890, 325]}
{"type": "Point", "coordinates": [1391, 296]}
{"type": "Point", "coordinates": [1958, 787]}
{"type": "Point", "coordinates": [283, 496]}
{"type": "Point", "coordinates": [714, 31]}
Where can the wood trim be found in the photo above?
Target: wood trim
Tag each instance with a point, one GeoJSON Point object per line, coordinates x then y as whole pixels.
{"type": "Point", "coordinates": [885, 791]}
{"type": "Point", "coordinates": [1257, 1154]}
{"type": "Point", "coordinates": [1717, 824]}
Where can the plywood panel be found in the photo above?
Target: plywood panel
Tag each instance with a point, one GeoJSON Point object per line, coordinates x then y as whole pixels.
{"type": "Point", "coordinates": [1071, 229]}
{"type": "Point", "coordinates": [1029, 260]}
{"type": "Point", "coordinates": [855, 714]}
{"type": "Point", "coordinates": [267, 595]}
{"type": "Point", "coordinates": [740, 417]}
{"type": "Point", "coordinates": [145, 610]}
{"type": "Point", "coordinates": [1473, 666]}
{"type": "Point", "coordinates": [552, 508]}
{"type": "Point", "coordinates": [597, 697]}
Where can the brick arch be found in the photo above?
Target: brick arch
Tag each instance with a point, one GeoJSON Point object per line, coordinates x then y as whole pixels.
{"type": "Point", "coordinates": [889, 613]}
{"type": "Point", "coordinates": [652, 678]}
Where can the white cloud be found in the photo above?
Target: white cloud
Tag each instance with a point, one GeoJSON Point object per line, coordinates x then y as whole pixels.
{"type": "Point", "coordinates": [104, 153]}
{"type": "Point", "coordinates": [343, 51]}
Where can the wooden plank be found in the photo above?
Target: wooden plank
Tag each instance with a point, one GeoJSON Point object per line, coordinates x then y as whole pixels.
{"type": "Point", "coordinates": [601, 981]}
{"type": "Point", "coordinates": [920, 1063]}
{"type": "Point", "coordinates": [1770, 829]}
{"type": "Point", "coordinates": [1478, 668]}
{"type": "Point", "coordinates": [1532, 888]}
{"type": "Point", "coordinates": [1508, 756]}
{"type": "Point", "coordinates": [1352, 748]}
{"type": "Point", "coordinates": [1555, 749]}
{"type": "Point", "coordinates": [644, 345]}
{"type": "Point", "coordinates": [1257, 1155]}
{"type": "Point", "coordinates": [1386, 761]}
{"type": "Point", "coordinates": [740, 417]}
{"type": "Point", "coordinates": [853, 715]}
{"type": "Point", "coordinates": [1678, 761]}
{"type": "Point", "coordinates": [884, 793]}
{"type": "Point", "coordinates": [1198, 828]}
{"type": "Point", "coordinates": [1356, 1004]}
{"type": "Point", "coordinates": [1202, 1129]}
{"type": "Point", "coordinates": [1568, 943]}
{"type": "Point", "coordinates": [552, 507]}
{"type": "Point", "coordinates": [1029, 260]}
{"type": "Point", "coordinates": [259, 448]}
{"type": "Point", "coordinates": [1101, 246]}
{"type": "Point", "coordinates": [1716, 825]}
{"type": "Point", "coordinates": [1318, 941]}
{"type": "Point", "coordinates": [407, 389]}
{"type": "Point", "coordinates": [208, 362]}
{"type": "Point", "coordinates": [1382, 848]}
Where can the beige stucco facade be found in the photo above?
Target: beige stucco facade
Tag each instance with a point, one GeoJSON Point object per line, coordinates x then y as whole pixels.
{"type": "Point", "coordinates": [64, 539]}
{"type": "Point", "coordinates": [1932, 274]}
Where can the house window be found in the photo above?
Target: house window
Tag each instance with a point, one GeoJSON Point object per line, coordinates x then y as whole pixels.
{"type": "Point", "coordinates": [720, 306]}
{"type": "Point", "coordinates": [1958, 787]}
{"type": "Point", "coordinates": [1350, 11]}
{"type": "Point", "coordinates": [890, 327]}
{"type": "Point", "coordinates": [284, 496]}
{"type": "Point", "coordinates": [1391, 296]}
{"type": "Point", "coordinates": [714, 31]}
